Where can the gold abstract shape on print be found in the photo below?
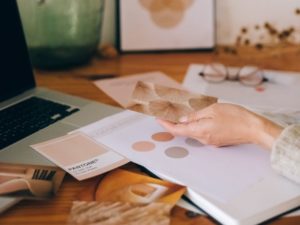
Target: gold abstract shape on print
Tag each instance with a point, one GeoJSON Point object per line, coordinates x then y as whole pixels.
{"type": "Point", "coordinates": [143, 92]}
{"type": "Point", "coordinates": [201, 102]}
{"type": "Point", "coordinates": [166, 13]}
{"type": "Point", "coordinates": [168, 110]}
{"type": "Point", "coordinates": [124, 197]}
{"type": "Point", "coordinates": [115, 213]}
{"type": "Point", "coordinates": [159, 5]}
{"type": "Point", "coordinates": [125, 186]}
{"type": "Point", "coordinates": [172, 94]}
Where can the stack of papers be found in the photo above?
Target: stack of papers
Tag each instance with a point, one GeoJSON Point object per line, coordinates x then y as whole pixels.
{"type": "Point", "coordinates": [236, 184]}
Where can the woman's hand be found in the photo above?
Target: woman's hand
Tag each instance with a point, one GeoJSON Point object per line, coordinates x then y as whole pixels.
{"type": "Point", "coordinates": [226, 124]}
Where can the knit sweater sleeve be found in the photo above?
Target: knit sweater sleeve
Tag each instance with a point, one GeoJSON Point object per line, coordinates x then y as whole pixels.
{"type": "Point", "coordinates": [285, 156]}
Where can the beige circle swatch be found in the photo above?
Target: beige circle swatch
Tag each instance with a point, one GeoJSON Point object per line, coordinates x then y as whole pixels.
{"type": "Point", "coordinates": [176, 152]}
{"type": "Point", "coordinates": [193, 142]}
{"type": "Point", "coordinates": [162, 136]}
{"type": "Point", "coordinates": [143, 146]}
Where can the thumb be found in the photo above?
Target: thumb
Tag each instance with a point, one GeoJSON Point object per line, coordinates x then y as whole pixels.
{"type": "Point", "coordinates": [194, 116]}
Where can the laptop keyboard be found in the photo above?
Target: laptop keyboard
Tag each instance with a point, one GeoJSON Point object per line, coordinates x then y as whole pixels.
{"type": "Point", "coordinates": [29, 116]}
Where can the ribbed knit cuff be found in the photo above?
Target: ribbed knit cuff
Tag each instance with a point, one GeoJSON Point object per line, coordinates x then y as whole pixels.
{"type": "Point", "coordinates": [285, 156]}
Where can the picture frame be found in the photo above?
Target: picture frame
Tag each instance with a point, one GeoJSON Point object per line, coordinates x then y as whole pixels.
{"type": "Point", "coordinates": [165, 25]}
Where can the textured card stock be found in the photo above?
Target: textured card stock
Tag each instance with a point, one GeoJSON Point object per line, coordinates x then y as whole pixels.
{"type": "Point", "coordinates": [80, 155]}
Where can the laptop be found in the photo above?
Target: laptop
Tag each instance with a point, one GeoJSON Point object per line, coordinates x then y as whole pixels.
{"type": "Point", "coordinates": [29, 114]}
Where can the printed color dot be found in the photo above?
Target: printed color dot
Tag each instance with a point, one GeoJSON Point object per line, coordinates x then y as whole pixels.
{"type": "Point", "coordinates": [143, 146]}
{"type": "Point", "coordinates": [176, 152]}
{"type": "Point", "coordinates": [193, 142]}
{"type": "Point", "coordinates": [162, 136]}
{"type": "Point", "coordinates": [260, 88]}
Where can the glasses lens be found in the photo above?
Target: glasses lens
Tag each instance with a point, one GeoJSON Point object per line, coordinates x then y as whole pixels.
{"type": "Point", "coordinates": [251, 75]}
{"type": "Point", "coordinates": [214, 72]}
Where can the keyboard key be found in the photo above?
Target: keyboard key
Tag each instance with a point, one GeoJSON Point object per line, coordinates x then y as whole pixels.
{"type": "Point", "coordinates": [29, 116]}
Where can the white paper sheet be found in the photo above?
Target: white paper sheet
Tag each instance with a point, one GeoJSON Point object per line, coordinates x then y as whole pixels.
{"type": "Point", "coordinates": [220, 173]}
{"type": "Point", "coordinates": [282, 91]}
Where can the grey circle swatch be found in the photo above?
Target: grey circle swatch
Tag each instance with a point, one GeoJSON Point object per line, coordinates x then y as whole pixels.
{"type": "Point", "coordinates": [176, 152]}
{"type": "Point", "coordinates": [193, 142]}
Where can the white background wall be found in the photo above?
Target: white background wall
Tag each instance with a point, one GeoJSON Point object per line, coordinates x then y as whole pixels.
{"type": "Point", "coordinates": [231, 15]}
{"type": "Point", "coordinates": [234, 14]}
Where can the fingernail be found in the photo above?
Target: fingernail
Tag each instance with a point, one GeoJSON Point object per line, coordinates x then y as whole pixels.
{"type": "Point", "coordinates": [183, 119]}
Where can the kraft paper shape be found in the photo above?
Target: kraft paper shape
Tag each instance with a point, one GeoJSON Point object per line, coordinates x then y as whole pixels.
{"type": "Point", "coordinates": [124, 197]}
{"type": "Point", "coordinates": [120, 89]}
{"type": "Point", "coordinates": [165, 102]}
{"type": "Point", "coordinates": [29, 181]}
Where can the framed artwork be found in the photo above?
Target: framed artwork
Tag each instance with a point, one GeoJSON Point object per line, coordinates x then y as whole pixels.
{"type": "Point", "coordinates": [165, 25]}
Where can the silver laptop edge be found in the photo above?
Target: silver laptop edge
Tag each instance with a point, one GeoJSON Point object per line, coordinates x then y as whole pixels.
{"type": "Point", "coordinates": [17, 84]}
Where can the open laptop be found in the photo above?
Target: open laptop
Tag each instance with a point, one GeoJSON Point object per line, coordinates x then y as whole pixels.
{"type": "Point", "coordinates": [28, 114]}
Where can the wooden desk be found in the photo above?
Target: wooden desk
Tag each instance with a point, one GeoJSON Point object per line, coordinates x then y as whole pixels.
{"type": "Point", "coordinates": [75, 81]}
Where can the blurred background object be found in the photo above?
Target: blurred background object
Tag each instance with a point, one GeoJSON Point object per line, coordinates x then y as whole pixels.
{"type": "Point", "coordinates": [243, 28]}
{"type": "Point", "coordinates": [232, 17]}
{"type": "Point", "coordinates": [164, 25]}
{"type": "Point", "coordinates": [61, 33]}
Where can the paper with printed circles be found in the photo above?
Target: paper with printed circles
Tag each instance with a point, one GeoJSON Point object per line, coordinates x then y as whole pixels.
{"type": "Point", "coordinates": [165, 102]}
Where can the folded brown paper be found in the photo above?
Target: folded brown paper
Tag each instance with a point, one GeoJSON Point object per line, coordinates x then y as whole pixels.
{"type": "Point", "coordinates": [165, 102]}
{"type": "Point", "coordinates": [127, 198]}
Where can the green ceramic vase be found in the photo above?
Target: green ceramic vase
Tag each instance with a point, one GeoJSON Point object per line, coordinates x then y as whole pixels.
{"type": "Point", "coordinates": [61, 33]}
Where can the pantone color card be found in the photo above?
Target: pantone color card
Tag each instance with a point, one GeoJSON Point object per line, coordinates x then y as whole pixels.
{"type": "Point", "coordinates": [80, 155]}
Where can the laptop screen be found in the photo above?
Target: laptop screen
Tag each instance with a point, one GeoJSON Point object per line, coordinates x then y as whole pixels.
{"type": "Point", "coordinates": [16, 74]}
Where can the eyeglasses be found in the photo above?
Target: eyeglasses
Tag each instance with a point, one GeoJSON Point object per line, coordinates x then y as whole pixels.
{"type": "Point", "coordinates": [247, 75]}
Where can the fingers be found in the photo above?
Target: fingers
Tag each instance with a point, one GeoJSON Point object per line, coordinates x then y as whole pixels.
{"type": "Point", "coordinates": [181, 129]}
{"type": "Point", "coordinates": [200, 130]}
{"type": "Point", "coordinates": [165, 123]}
{"type": "Point", "coordinates": [169, 126]}
{"type": "Point", "coordinates": [202, 114]}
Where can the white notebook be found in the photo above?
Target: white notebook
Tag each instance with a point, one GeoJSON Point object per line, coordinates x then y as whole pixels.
{"type": "Point", "coordinates": [235, 185]}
